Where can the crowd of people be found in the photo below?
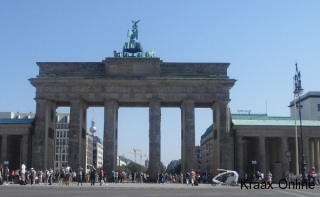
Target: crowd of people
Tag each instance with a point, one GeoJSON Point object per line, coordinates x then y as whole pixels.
{"type": "Point", "coordinates": [78, 176]}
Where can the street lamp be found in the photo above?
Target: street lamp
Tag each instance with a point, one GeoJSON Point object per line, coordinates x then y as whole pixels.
{"type": "Point", "coordinates": [298, 91]}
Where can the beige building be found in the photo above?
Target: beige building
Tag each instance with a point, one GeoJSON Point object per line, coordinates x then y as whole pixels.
{"type": "Point", "coordinates": [265, 143]}
{"type": "Point", "coordinates": [310, 106]}
{"type": "Point", "coordinates": [16, 130]}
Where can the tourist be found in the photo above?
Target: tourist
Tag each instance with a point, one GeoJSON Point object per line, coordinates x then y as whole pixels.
{"type": "Point", "coordinates": [101, 173]}
{"type": "Point", "coordinates": [7, 174]}
{"type": "Point", "coordinates": [1, 174]}
{"type": "Point", "coordinates": [23, 172]}
{"type": "Point", "coordinates": [192, 176]}
{"type": "Point", "coordinates": [187, 178]}
{"type": "Point", "coordinates": [312, 175]}
{"type": "Point", "coordinates": [50, 174]}
{"type": "Point", "coordinates": [80, 171]}
{"type": "Point", "coordinates": [269, 177]}
{"type": "Point", "coordinates": [40, 176]}
{"type": "Point", "coordinates": [92, 175]}
{"type": "Point", "coordinates": [31, 176]}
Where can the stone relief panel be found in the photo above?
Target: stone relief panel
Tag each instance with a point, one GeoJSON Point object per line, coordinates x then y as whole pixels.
{"type": "Point", "coordinates": [71, 69]}
{"type": "Point", "coordinates": [132, 66]}
{"type": "Point", "coordinates": [134, 92]}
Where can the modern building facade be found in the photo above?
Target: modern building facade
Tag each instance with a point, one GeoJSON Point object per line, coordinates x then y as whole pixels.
{"type": "Point", "coordinates": [89, 152]}
{"type": "Point", "coordinates": [16, 138]}
{"type": "Point", "coordinates": [61, 140]}
{"type": "Point", "coordinates": [97, 152]}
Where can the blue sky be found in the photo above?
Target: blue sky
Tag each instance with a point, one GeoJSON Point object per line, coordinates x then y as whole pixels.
{"type": "Point", "coordinates": [261, 40]}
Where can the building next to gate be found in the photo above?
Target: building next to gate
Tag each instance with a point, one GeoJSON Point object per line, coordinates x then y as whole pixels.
{"type": "Point", "coordinates": [61, 140]}
{"type": "Point", "coordinates": [16, 136]}
{"type": "Point", "coordinates": [97, 152]}
{"type": "Point", "coordinates": [16, 130]}
{"type": "Point", "coordinates": [266, 143]}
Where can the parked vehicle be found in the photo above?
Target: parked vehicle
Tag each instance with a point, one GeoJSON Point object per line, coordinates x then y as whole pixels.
{"type": "Point", "coordinates": [226, 177]}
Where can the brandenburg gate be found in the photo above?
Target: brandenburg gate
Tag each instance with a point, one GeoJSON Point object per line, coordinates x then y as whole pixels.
{"type": "Point", "coordinates": [127, 80]}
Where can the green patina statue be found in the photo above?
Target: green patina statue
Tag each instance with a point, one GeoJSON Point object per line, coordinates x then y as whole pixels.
{"type": "Point", "coordinates": [133, 48]}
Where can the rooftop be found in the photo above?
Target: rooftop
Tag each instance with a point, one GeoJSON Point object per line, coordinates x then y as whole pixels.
{"type": "Point", "coordinates": [264, 120]}
{"type": "Point", "coordinates": [16, 121]}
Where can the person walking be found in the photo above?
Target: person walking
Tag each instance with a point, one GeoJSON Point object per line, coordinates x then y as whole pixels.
{"type": "Point", "coordinates": [192, 176]}
{"type": "Point", "coordinates": [187, 178]}
{"type": "Point", "coordinates": [32, 175]}
{"type": "Point", "coordinates": [93, 174]}
{"type": "Point", "coordinates": [80, 171]}
{"type": "Point", "coordinates": [23, 173]}
{"type": "Point", "coordinates": [7, 174]}
{"type": "Point", "coordinates": [1, 174]}
{"type": "Point", "coordinates": [40, 176]}
{"type": "Point", "coordinates": [50, 174]}
{"type": "Point", "coordinates": [101, 173]}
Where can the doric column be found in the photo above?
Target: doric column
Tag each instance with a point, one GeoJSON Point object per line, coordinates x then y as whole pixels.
{"type": "Point", "coordinates": [77, 134]}
{"type": "Point", "coordinates": [154, 138]}
{"type": "Point", "coordinates": [43, 137]}
{"type": "Point", "coordinates": [284, 160]}
{"type": "Point", "coordinates": [4, 148]}
{"type": "Point", "coordinates": [110, 136]}
{"type": "Point", "coordinates": [224, 154]}
{"type": "Point", "coordinates": [311, 152]}
{"type": "Point", "coordinates": [262, 151]}
{"type": "Point", "coordinates": [187, 136]}
{"type": "Point", "coordinates": [216, 137]}
{"type": "Point", "coordinates": [24, 150]}
{"type": "Point", "coordinates": [316, 154]}
{"type": "Point", "coordinates": [240, 156]}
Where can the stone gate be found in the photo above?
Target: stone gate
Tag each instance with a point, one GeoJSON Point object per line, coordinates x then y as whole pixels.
{"type": "Point", "coordinates": [127, 82]}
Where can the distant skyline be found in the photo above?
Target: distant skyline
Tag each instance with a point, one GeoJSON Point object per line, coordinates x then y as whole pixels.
{"type": "Point", "coordinates": [262, 41]}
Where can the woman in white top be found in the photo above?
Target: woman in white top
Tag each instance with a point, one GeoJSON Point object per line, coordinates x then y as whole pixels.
{"type": "Point", "coordinates": [23, 172]}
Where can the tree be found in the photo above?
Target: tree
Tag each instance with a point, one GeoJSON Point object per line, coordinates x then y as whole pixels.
{"type": "Point", "coordinates": [134, 167]}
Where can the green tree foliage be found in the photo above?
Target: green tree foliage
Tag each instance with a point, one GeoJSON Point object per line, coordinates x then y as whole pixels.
{"type": "Point", "coordinates": [134, 167]}
{"type": "Point", "coordinates": [175, 170]}
{"type": "Point", "coordinates": [162, 168]}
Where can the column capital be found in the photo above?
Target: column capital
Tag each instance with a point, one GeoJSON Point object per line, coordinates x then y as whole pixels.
{"type": "Point", "coordinates": [261, 137]}
{"type": "Point", "coordinates": [239, 138]}
{"type": "Point", "coordinates": [111, 103]}
{"type": "Point", "coordinates": [218, 102]}
{"type": "Point", "coordinates": [155, 100]}
{"type": "Point", "coordinates": [186, 102]}
{"type": "Point", "coordinates": [4, 135]}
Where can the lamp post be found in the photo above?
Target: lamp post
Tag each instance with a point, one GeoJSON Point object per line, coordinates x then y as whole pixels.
{"type": "Point", "coordinates": [298, 91]}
